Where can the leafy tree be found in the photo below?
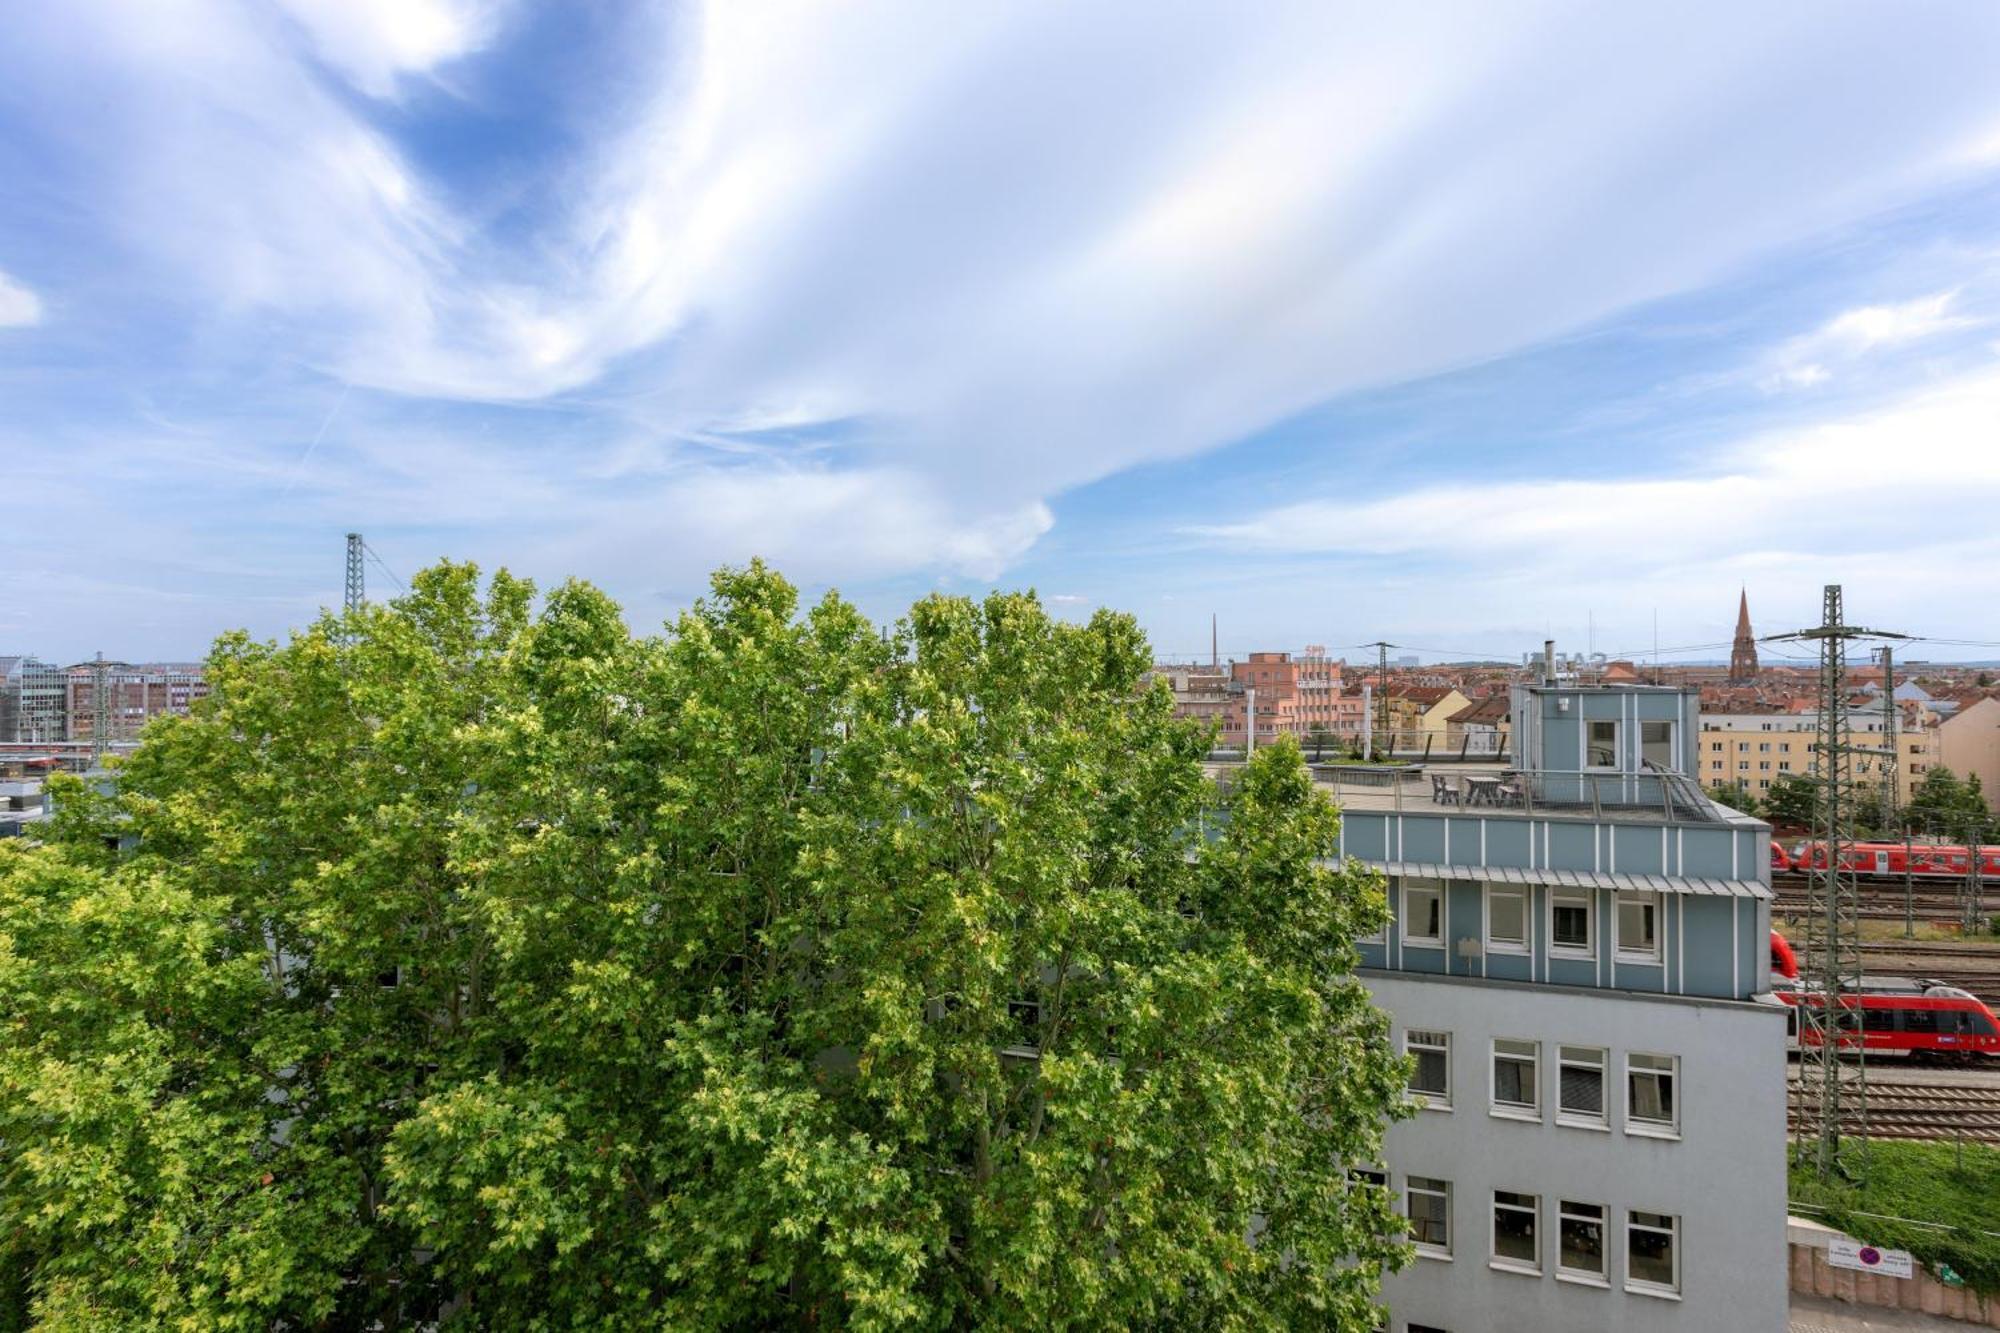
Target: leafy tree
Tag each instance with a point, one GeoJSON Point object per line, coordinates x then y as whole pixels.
{"type": "Point", "coordinates": [1945, 804]}
{"type": "Point", "coordinates": [475, 962]}
{"type": "Point", "coordinates": [1792, 799]}
{"type": "Point", "coordinates": [1736, 795]}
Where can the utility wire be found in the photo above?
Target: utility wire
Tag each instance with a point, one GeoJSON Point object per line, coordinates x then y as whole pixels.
{"type": "Point", "coordinates": [383, 567]}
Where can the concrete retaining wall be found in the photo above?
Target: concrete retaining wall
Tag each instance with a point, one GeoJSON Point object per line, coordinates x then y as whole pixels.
{"type": "Point", "coordinates": [1811, 1274]}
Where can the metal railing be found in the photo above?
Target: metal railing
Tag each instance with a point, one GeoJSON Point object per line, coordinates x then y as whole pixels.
{"type": "Point", "coordinates": [1673, 797]}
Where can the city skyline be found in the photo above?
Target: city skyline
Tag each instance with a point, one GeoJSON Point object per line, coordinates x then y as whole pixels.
{"type": "Point", "coordinates": [1342, 328]}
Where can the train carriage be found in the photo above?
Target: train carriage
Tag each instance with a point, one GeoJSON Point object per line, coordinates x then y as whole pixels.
{"type": "Point", "coordinates": [1888, 860]}
{"type": "Point", "coordinates": [1913, 1016]}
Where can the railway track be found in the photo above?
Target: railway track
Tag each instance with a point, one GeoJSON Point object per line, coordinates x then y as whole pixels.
{"type": "Point", "coordinates": [1947, 961]}
{"type": "Point", "coordinates": [1882, 900]}
{"type": "Point", "coordinates": [1903, 1110]}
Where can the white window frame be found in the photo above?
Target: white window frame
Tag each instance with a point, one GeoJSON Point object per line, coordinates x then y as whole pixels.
{"type": "Point", "coordinates": [1432, 1039]}
{"type": "Point", "coordinates": [1567, 1210]}
{"type": "Point", "coordinates": [1569, 897]}
{"type": "Point", "coordinates": [1525, 896]}
{"type": "Point", "coordinates": [1442, 1190]}
{"type": "Point", "coordinates": [1645, 1125]}
{"type": "Point", "coordinates": [1506, 1263]}
{"type": "Point", "coordinates": [1649, 953]}
{"type": "Point", "coordinates": [1617, 749]}
{"type": "Point", "coordinates": [1415, 884]}
{"type": "Point", "coordinates": [1533, 1055]}
{"type": "Point", "coordinates": [1673, 764]}
{"type": "Point", "coordinates": [1581, 1057]}
{"type": "Point", "coordinates": [1672, 1231]}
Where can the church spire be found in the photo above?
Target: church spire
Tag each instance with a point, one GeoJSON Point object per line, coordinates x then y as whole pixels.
{"type": "Point", "coordinates": [1743, 654]}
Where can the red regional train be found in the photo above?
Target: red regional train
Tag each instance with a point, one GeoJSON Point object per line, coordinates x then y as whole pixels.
{"type": "Point", "coordinates": [1885, 860]}
{"type": "Point", "coordinates": [1918, 1018]}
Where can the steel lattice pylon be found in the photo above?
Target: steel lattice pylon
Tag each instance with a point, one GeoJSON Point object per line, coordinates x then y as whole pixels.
{"type": "Point", "coordinates": [357, 584]}
{"type": "Point", "coordinates": [100, 710]}
{"type": "Point", "coordinates": [1830, 1098]}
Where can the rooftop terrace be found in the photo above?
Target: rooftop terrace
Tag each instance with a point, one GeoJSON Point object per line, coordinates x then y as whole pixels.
{"type": "Point", "coordinates": [1495, 790]}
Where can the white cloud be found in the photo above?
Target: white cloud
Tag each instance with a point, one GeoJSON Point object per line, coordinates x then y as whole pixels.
{"type": "Point", "coordinates": [1025, 245]}
{"type": "Point", "coordinates": [1800, 363]}
{"type": "Point", "coordinates": [1818, 490]}
{"type": "Point", "coordinates": [19, 307]}
{"type": "Point", "coordinates": [374, 42]}
{"type": "Point", "coordinates": [1493, 568]}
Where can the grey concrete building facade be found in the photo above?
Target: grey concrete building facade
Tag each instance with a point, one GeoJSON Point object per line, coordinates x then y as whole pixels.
{"type": "Point", "coordinates": [1579, 959]}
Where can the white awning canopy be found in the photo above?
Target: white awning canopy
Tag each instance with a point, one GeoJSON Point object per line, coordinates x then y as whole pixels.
{"type": "Point", "coordinates": [1580, 879]}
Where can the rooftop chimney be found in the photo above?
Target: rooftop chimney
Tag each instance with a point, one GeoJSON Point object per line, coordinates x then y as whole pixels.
{"type": "Point", "coordinates": [1548, 661]}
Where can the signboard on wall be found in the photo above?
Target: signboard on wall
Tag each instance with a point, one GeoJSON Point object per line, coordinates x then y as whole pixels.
{"type": "Point", "coordinates": [1845, 1253]}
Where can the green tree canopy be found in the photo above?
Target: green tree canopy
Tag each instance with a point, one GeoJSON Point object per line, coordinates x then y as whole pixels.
{"type": "Point", "coordinates": [1792, 799]}
{"type": "Point", "coordinates": [1945, 804]}
{"type": "Point", "coordinates": [465, 960]}
{"type": "Point", "coordinates": [1737, 796]}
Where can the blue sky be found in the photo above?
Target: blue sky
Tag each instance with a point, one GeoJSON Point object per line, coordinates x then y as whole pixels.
{"type": "Point", "coordinates": [1459, 327]}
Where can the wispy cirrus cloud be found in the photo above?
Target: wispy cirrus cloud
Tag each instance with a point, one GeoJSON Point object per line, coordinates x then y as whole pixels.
{"type": "Point", "coordinates": [878, 286]}
{"type": "Point", "coordinates": [1777, 488]}
{"type": "Point", "coordinates": [19, 307]}
{"type": "Point", "coordinates": [1804, 361]}
{"type": "Point", "coordinates": [376, 42]}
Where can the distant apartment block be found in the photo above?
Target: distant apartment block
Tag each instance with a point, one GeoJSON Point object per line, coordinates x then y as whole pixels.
{"type": "Point", "coordinates": [1758, 748]}
{"type": "Point", "coordinates": [135, 694]}
{"type": "Point", "coordinates": [1969, 745]}
{"type": "Point", "coordinates": [1201, 692]}
{"type": "Point", "coordinates": [33, 701]}
{"type": "Point", "coordinates": [1298, 696]}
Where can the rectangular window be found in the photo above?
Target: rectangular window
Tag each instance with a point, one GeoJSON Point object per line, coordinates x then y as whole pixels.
{"type": "Point", "coordinates": [1423, 912]}
{"type": "Point", "coordinates": [1764, 747]}
{"type": "Point", "coordinates": [1514, 1240]}
{"type": "Point", "coordinates": [1601, 747]}
{"type": "Point", "coordinates": [1743, 765]}
{"type": "Point", "coordinates": [1580, 1085]}
{"type": "Point", "coordinates": [1506, 919]}
{"type": "Point", "coordinates": [1656, 746]}
{"type": "Point", "coordinates": [1569, 922]}
{"type": "Point", "coordinates": [1652, 1106]}
{"type": "Point", "coordinates": [1652, 1254]}
{"type": "Point", "coordinates": [1431, 1079]}
{"type": "Point", "coordinates": [1716, 746]}
{"type": "Point", "coordinates": [1514, 1082]}
{"type": "Point", "coordinates": [1369, 1175]}
{"type": "Point", "coordinates": [1428, 1203]}
{"type": "Point", "coordinates": [1784, 747]}
{"type": "Point", "coordinates": [1638, 925]}
{"type": "Point", "coordinates": [1582, 1240]}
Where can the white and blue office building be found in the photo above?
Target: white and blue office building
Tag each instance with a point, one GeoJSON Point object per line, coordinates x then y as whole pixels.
{"type": "Point", "coordinates": [1578, 961]}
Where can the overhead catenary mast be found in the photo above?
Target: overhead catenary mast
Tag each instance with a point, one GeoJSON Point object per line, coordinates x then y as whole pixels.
{"type": "Point", "coordinates": [357, 574]}
{"type": "Point", "coordinates": [1830, 1099]}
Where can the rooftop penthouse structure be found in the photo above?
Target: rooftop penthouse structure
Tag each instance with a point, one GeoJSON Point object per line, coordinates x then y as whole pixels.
{"type": "Point", "coordinates": [1579, 962]}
